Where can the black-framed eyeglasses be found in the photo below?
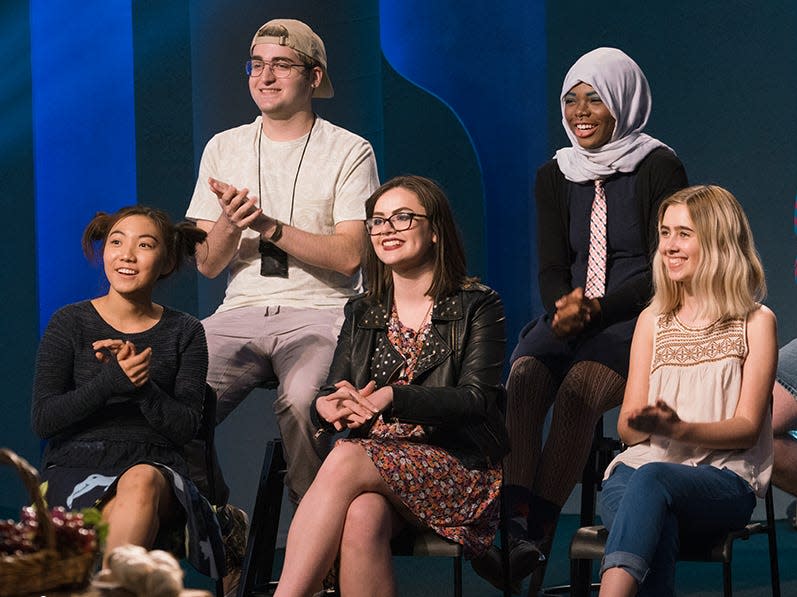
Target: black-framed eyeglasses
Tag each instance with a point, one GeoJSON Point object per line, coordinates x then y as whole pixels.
{"type": "Point", "coordinates": [399, 222]}
{"type": "Point", "coordinates": [281, 69]}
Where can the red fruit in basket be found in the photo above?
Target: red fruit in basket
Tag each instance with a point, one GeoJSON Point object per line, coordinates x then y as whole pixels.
{"type": "Point", "coordinates": [88, 540]}
{"type": "Point", "coordinates": [71, 533]}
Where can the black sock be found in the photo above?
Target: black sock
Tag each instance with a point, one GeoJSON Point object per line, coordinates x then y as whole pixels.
{"type": "Point", "coordinates": [517, 500]}
{"type": "Point", "coordinates": [542, 518]}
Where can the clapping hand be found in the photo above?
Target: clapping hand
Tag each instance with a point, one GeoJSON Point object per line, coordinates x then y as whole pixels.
{"type": "Point", "coordinates": [241, 210]}
{"type": "Point", "coordinates": [573, 313]}
{"type": "Point", "coordinates": [134, 364]}
{"type": "Point", "coordinates": [658, 419]}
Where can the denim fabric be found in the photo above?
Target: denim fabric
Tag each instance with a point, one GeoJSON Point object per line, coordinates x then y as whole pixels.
{"type": "Point", "coordinates": [649, 510]}
{"type": "Point", "coordinates": [787, 367]}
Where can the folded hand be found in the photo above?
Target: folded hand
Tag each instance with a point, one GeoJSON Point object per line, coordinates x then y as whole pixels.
{"type": "Point", "coordinates": [348, 407]}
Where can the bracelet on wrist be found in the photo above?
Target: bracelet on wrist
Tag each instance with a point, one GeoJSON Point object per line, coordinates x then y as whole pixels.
{"type": "Point", "coordinates": [277, 234]}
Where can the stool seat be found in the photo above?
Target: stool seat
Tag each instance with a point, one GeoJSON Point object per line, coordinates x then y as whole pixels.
{"type": "Point", "coordinates": [424, 543]}
{"type": "Point", "coordinates": [588, 543]}
{"type": "Point", "coordinates": [719, 551]}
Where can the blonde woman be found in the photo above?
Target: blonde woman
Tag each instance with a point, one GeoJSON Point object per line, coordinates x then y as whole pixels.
{"type": "Point", "coordinates": [696, 408]}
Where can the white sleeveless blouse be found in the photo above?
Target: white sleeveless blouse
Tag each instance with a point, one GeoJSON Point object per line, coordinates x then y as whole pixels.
{"type": "Point", "coordinates": [698, 372]}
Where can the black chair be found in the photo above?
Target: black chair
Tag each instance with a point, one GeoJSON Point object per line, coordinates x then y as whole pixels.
{"type": "Point", "coordinates": [261, 544]}
{"type": "Point", "coordinates": [427, 543]}
{"type": "Point", "coordinates": [205, 471]}
{"type": "Point", "coordinates": [588, 544]}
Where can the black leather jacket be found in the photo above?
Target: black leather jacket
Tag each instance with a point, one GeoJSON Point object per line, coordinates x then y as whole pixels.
{"type": "Point", "coordinates": [456, 392]}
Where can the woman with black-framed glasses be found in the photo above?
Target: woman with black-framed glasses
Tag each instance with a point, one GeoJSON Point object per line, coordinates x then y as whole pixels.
{"type": "Point", "coordinates": [416, 383]}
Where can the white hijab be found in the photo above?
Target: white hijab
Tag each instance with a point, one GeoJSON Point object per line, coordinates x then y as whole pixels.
{"type": "Point", "coordinates": [624, 90]}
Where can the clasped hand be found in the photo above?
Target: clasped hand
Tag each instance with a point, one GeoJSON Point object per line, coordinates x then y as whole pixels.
{"type": "Point", "coordinates": [241, 210]}
{"type": "Point", "coordinates": [573, 312]}
{"type": "Point", "coordinates": [658, 419]}
{"type": "Point", "coordinates": [349, 407]}
{"type": "Point", "coordinates": [134, 364]}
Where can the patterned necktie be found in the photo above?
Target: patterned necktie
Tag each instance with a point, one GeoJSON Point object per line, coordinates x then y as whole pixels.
{"type": "Point", "coordinates": [596, 262]}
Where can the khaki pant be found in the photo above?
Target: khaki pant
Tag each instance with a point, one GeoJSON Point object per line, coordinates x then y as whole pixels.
{"type": "Point", "coordinates": [254, 346]}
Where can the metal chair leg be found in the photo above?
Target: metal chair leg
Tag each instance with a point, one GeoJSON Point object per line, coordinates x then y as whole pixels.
{"type": "Point", "coordinates": [504, 531]}
{"type": "Point", "coordinates": [581, 578]}
{"type": "Point", "coordinates": [458, 576]}
{"type": "Point", "coordinates": [727, 584]}
{"type": "Point", "coordinates": [260, 545]}
{"type": "Point", "coordinates": [773, 543]}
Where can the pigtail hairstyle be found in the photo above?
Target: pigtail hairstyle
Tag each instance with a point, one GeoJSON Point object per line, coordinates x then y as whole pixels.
{"type": "Point", "coordinates": [95, 234]}
{"type": "Point", "coordinates": [179, 240]}
{"type": "Point", "coordinates": [186, 238]}
{"type": "Point", "coordinates": [729, 279]}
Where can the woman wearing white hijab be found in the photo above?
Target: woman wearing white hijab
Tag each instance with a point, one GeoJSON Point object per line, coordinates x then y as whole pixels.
{"type": "Point", "coordinates": [575, 356]}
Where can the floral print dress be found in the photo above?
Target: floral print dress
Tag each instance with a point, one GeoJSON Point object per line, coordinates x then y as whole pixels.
{"type": "Point", "coordinates": [458, 503]}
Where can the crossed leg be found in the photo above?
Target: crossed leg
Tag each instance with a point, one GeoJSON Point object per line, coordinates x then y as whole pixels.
{"type": "Point", "coordinates": [366, 567]}
{"type": "Point", "coordinates": [347, 508]}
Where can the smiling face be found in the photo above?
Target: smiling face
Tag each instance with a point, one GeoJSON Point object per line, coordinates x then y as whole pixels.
{"type": "Point", "coordinates": [403, 250]}
{"type": "Point", "coordinates": [588, 117]}
{"type": "Point", "coordinates": [134, 256]}
{"type": "Point", "coordinates": [282, 98]}
{"type": "Point", "coordinates": [679, 246]}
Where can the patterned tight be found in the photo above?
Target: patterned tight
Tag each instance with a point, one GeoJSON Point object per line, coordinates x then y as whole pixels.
{"type": "Point", "coordinates": [550, 472]}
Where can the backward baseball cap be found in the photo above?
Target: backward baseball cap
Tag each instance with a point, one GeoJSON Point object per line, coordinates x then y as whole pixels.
{"type": "Point", "coordinates": [305, 41]}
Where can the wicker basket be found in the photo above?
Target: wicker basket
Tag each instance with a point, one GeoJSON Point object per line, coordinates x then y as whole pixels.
{"type": "Point", "coordinates": [46, 569]}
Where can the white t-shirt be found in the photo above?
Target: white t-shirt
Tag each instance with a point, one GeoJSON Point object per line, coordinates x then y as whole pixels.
{"type": "Point", "coordinates": [337, 175]}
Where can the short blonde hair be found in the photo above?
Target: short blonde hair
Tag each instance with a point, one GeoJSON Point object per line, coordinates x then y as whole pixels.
{"type": "Point", "coordinates": [729, 279]}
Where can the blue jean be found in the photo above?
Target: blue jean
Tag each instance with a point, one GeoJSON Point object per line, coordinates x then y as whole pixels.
{"type": "Point", "coordinates": [787, 372]}
{"type": "Point", "coordinates": [649, 510]}
{"type": "Point", "coordinates": [787, 367]}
